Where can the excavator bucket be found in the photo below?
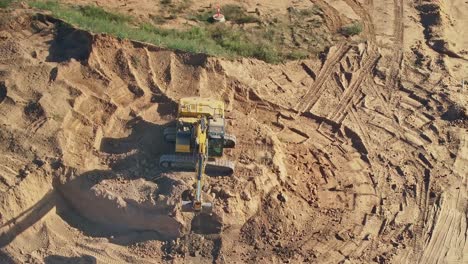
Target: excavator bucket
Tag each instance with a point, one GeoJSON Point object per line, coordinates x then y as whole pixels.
{"type": "Point", "coordinates": [196, 207]}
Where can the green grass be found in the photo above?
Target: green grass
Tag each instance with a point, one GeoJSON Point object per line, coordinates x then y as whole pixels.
{"type": "Point", "coordinates": [5, 3]}
{"type": "Point", "coordinates": [213, 40]}
{"type": "Point", "coordinates": [93, 12]}
{"type": "Point", "coordinates": [174, 9]}
{"type": "Point", "coordinates": [352, 29]}
{"type": "Point", "coordinates": [237, 14]}
{"type": "Point", "coordinates": [297, 55]}
{"type": "Point", "coordinates": [202, 16]}
{"type": "Point", "coordinates": [315, 10]}
{"type": "Point", "coordinates": [264, 43]}
{"type": "Point", "coordinates": [158, 19]}
{"type": "Point", "coordinates": [233, 13]}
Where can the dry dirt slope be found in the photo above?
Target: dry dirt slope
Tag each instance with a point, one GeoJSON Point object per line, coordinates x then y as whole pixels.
{"type": "Point", "coordinates": [358, 157]}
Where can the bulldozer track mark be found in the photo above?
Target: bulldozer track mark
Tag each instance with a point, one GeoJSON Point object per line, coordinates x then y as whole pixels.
{"type": "Point", "coordinates": [381, 98]}
{"type": "Point", "coordinates": [155, 86]}
{"type": "Point", "coordinates": [422, 199]}
{"type": "Point", "coordinates": [398, 35]}
{"type": "Point", "coordinates": [445, 237]}
{"type": "Point", "coordinates": [365, 140]}
{"type": "Point", "coordinates": [99, 67]}
{"type": "Point", "coordinates": [331, 15]}
{"type": "Point", "coordinates": [135, 86]}
{"type": "Point", "coordinates": [353, 102]}
{"type": "Point", "coordinates": [353, 88]}
{"type": "Point", "coordinates": [36, 125]}
{"type": "Point", "coordinates": [316, 88]}
{"type": "Point", "coordinates": [399, 28]}
{"type": "Point", "coordinates": [365, 135]}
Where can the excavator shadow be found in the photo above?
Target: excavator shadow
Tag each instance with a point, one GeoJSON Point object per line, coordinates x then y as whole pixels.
{"type": "Point", "coordinates": [26, 219]}
{"type": "Point", "coordinates": [129, 159]}
{"type": "Point", "coordinates": [145, 138]}
{"type": "Point", "coordinates": [56, 259]}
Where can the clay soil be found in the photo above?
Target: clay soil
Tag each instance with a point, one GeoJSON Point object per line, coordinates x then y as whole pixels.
{"type": "Point", "coordinates": [357, 156]}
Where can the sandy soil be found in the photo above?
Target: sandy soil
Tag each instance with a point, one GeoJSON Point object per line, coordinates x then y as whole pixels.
{"type": "Point", "coordinates": [358, 156]}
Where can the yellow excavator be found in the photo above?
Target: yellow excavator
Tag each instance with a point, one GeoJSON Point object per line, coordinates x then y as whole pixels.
{"type": "Point", "coordinates": [200, 139]}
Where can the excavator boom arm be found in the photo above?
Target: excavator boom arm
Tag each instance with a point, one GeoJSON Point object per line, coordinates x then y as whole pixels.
{"type": "Point", "coordinates": [201, 128]}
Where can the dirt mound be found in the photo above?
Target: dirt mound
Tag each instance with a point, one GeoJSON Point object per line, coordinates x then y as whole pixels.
{"type": "Point", "coordinates": [345, 158]}
{"type": "Point", "coordinates": [437, 24]}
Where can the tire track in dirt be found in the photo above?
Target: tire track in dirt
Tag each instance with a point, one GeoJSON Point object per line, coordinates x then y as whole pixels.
{"type": "Point", "coordinates": [408, 131]}
{"type": "Point", "coordinates": [317, 87]}
{"type": "Point", "coordinates": [391, 82]}
{"type": "Point", "coordinates": [366, 141]}
{"type": "Point", "coordinates": [331, 15]}
{"type": "Point", "coordinates": [446, 239]}
{"type": "Point", "coordinates": [398, 35]}
{"type": "Point", "coordinates": [365, 16]}
{"type": "Point", "coordinates": [353, 88]}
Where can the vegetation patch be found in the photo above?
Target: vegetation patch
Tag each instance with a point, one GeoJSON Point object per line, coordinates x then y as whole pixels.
{"type": "Point", "coordinates": [308, 31]}
{"type": "Point", "coordinates": [233, 13]}
{"type": "Point", "coordinates": [172, 9]}
{"type": "Point", "coordinates": [273, 40]}
{"type": "Point", "coordinates": [351, 30]}
{"type": "Point", "coordinates": [94, 11]}
{"type": "Point", "coordinates": [158, 19]}
{"type": "Point", "coordinates": [238, 14]}
{"type": "Point", "coordinates": [202, 16]}
{"type": "Point", "coordinates": [214, 40]}
{"type": "Point", "coordinates": [298, 55]}
{"type": "Point", "coordinates": [5, 3]}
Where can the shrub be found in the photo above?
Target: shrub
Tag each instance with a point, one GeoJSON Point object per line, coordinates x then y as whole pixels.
{"type": "Point", "coordinates": [157, 19]}
{"type": "Point", "coordinates": [5, 3]}
{"type": "Point", "coordinates": [238, 14]}
{"type": "Point", "coordinates": [315, 10]}
{"type": "Point", "coordinates": [297, 55]}
{"type": "Point", "coordinates": [351, 30]}
{"type": "Point", "coordinates": [92, 11]}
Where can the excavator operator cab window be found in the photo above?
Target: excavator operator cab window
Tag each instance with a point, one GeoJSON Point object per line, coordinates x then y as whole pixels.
{"type": "Point", "coordinates": [215, 147]}
{"type": "Point", "coordinates": [184, 127]}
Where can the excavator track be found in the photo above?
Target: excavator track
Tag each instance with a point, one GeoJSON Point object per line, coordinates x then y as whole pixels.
{"type": "Point", "coordinates": [170, 134]}
{"type": "Point", "coordinates": [220, 167]}
{"type": "Point", "coordinates": [188, 162]}
{"type": "Point", "coordinates": [229, 141]}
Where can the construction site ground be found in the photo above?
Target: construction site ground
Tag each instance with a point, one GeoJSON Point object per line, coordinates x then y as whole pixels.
{"type": "Point", "coordinates": [359, 155]}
